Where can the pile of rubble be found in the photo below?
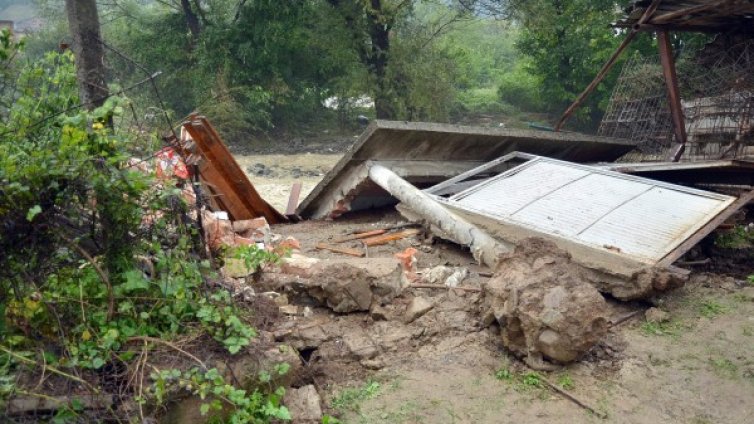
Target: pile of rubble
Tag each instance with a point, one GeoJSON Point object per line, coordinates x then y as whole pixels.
{"type": "Point", "coordinates": [544, 240]}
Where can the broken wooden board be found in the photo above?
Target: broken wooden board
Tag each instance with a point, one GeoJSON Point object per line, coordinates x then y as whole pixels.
{"type": "Point", "coordinates": [387, 238]}
{"type": "Point", "coordinates": [427, 153]}
{"type": "Point", "coordinates": [358, 236]}
{"type": "Point", "coordinates": [340, 249]}
{"type": "Point", "coordinates": [230, 187]}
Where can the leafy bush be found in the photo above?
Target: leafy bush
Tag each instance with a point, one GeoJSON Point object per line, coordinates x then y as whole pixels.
{"type": "Point", "coordinates": [521, 89]}
{"type": "Point", "coordinates": [95, 261]}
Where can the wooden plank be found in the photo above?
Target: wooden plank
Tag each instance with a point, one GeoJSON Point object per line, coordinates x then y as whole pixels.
{"type": "Point", "coordinates": [290, 210]}
{"type": "Point", "coordinates": [223, 161]}
{"type": "Point", "coordinates": [387, 238]}
{"type": "Point", "coordinates": [340, 249]}
{"type": "Point", "coordinates": [358, 236]}
{"type": "Point", "coordinates": [705, 230]}
{"type": "Point", "coordinates": [238, 196]}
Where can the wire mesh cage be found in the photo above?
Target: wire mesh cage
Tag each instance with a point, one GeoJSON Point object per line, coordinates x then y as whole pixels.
{"type": "Point", "coordinates": [717, 91]}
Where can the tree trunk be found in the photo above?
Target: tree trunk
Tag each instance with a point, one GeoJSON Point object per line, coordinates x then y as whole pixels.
{"type": "Point", "coordinates": [83, 22]}
{"type": "Point", "coordinates": [377, 60]}
{"type": "Point", "coordinates": [192, 21]}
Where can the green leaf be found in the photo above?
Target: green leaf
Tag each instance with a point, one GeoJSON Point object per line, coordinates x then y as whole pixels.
{"type": "Point", "coordinates": [34, 211]}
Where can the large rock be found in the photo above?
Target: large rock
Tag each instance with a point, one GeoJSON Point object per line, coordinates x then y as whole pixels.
{"type": "Point", "coordinates": [418, 307]}
{"type": "Point", "coordinates": [545, 307]}
{"type": "Point", "coordinates": [304, 405]}
{"type": "Point", "coordinates": [348, 285]}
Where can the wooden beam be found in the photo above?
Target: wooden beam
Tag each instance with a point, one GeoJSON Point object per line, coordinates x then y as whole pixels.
{"type": "Point", "coordinates": [219, 169]}
{"type": "Point", "coordinates": [340, 249]}
{"type": "Point", "coordinates": [290, 210]}
{"type": "Point", "coordinates": [358, 236]}
{"type": "Point", "coordinates": [674, 95]}
{"type": "Point", "coordinates": [387, 238]}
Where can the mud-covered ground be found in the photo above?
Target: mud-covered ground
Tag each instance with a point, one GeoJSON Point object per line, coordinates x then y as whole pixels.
{"type": "Point", "coordinates": [445, 368]}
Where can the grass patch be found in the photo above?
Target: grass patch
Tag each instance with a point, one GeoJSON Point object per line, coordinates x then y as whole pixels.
{"type": "Point", "coordinates": [711, 308]}
{"type": "Point", "coordinates": [670, 328]}
{"type": "Point", "coordinates": [566, 382]}
{"type": "Point", "coordinates": [349, 399]}
{"type": "Point", "coordinates": [521, 381]}
{"type": "Point", "coordinates": [504, 374]}
{"type": "Point", "coordinates": [724, 367]}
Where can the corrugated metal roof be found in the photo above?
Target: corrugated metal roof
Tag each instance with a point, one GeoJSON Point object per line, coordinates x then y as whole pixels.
{"type": "Point", "coordinates": [630, 216]}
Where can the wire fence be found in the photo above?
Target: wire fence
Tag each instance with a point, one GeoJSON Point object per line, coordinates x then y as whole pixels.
{"type": "Point", "coordinates": [717, 91]}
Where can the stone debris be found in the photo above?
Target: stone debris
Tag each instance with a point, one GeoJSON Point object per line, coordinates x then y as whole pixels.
{"type": "Point", "coordinates": [656, 315]}
{"type": "Point", "coordinates": [446, 275]}
{"type": "Point", "coordinates": [418, 307]}
{"type": "Point", "coordinates": [343, 285]}
{"type": "Point", "coordinates": [235, 268]}
{"type": "Point", "coordinates": [456, 278]}
{"type": "Point", "coordinates": [304, 405]}
{"type": "Point", "coordinates": [545, 308]}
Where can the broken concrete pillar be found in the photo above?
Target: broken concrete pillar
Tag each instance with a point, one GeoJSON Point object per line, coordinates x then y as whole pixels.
{"type": "Point", "coordinates": [545, 307]}
{"type": "Point", "coordinates": [484, 248]}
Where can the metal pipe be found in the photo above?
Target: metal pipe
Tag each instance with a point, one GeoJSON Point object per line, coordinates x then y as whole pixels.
{"type": "Point", "coordinates": [484, 248]}
{"type": "Point", "coordinates": [674, 95]}
{"type": "Point", "coordinates": [608, 65]}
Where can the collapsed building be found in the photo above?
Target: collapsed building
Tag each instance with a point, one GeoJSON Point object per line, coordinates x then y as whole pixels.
{"type": "Point", "coordinates": [554, 221]}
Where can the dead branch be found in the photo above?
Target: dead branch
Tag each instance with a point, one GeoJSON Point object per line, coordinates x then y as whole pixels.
{"type": "Point", "coordinates": [573, 399]}
{"type": "Point", "coordinates": [170, 345]}
{"type": "Point", "coordinates": [442, 286]}
{"type": "Point", "coordinates": [100, 272]}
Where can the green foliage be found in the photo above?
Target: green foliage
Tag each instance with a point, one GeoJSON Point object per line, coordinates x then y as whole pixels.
{"type": "Point", "coordinates": [710, 308]}
{"type": "Point", "coordinates": [532, 379]}
{"type": "Point", "coordinates": [566, 43]}
{"type": "Point", "coordinates": [350, 398]}
{"type": "Point", "coordinates": [521, 89]}
{"type": "Point", "coordinates": [738, 238]}
{"type": "Point", "coordinates": [724, 367]}
{"type": "Point", "coordinates": [566, 382]}
{"type": "Point", "coordinates": [504, 374]}
{"type": "Point", "coordinates": [254, 257]}
{"type": "Point", "coordinates": [259, 406]}
{"type": "Point", "coordinates": [670, 328]}
{"type": "Point", "coordinates": [93, 258]}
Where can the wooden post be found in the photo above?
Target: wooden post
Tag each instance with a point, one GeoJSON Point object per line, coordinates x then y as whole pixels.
{"type": "Point", "coordinates": [674, 95]}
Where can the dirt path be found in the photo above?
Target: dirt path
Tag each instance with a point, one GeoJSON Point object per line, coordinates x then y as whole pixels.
{"type": "Point", "coordinates": [698, 368]}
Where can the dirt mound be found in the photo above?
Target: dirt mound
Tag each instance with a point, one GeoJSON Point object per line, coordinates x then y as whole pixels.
{"type": "Point", "coordinates": [545, 307]}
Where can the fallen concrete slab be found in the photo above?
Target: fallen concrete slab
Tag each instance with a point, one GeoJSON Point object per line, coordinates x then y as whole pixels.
{"type": "Point", "coordinates": [627, 230]}
{"type": "Point", "coordinates": [427, 153]}
{"type": "Point", "coordinates": [617, 218]}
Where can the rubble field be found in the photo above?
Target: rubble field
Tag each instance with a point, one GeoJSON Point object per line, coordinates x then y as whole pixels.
{"type": "Point", "coordinates": [378, 351]}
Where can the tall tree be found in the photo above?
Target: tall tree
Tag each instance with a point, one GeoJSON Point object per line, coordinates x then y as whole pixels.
{"type": "Point", "coordinates": [83, 22]}
{"type": "Point", "coordinates": [370, 23]}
